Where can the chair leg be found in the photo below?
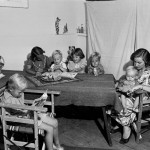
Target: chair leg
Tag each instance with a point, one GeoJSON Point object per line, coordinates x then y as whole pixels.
{"type": "Point", "coordinates": [107, 126]}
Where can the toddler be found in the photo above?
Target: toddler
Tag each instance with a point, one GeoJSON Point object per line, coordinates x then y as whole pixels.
{"type": "Point", "coordinates": [95, 66]}
{"type": "Point", "coordinates": [13, 94]}
{"type": "Point", "coordinates": [130, 101]}
{"type": "Point", "coordinates": [78, 64]}
{"type": "Point", "coordinates": [59, 65]}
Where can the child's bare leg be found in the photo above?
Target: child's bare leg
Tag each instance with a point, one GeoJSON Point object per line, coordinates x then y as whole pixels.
{"type": "Point", "coordinates": [48, 136]}
{"type": "Point", "coordinates": [53, 123]}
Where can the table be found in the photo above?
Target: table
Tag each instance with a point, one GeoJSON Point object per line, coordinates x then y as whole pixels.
{"type": "Point", "coordinates": [88, 91]}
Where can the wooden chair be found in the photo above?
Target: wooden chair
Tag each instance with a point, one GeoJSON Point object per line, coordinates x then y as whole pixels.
{"type": "Point", "coordinates": [143, 120]}
{"type": "Point", "coordinates": [13, 124]}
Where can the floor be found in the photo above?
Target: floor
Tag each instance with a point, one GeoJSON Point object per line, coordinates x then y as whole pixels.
{"type": "Point", "coordinates": [79, 127]}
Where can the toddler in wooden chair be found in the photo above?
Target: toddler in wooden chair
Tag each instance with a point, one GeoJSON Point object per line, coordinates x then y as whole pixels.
{"type": "Point", "coordinates": [14, 94]}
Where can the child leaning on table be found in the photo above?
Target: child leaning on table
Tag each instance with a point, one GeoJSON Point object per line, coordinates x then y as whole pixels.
{"type": "Point", "coordinates": [59, 65]}
{"type": "Point", "coordinates": [14, 94]}
{"type": "Point", "coordinates": [78, 64]}
{"type": "Point", "coordinates": [95, 66]}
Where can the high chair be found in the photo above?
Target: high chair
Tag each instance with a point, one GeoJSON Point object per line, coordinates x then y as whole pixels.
{"type": "Point", "coordinates": [14, 124]}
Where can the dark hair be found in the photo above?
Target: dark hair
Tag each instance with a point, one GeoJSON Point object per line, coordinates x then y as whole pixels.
{"type": "Point", "coordinates": [143, 53]}
{"type": "Point", "coordinates": [78, 52]}
{"type": "Point", "coordinates": [36, 51]}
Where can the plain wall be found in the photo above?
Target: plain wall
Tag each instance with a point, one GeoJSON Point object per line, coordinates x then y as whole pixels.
{"type": "Point", "coordinates": [23, 28]}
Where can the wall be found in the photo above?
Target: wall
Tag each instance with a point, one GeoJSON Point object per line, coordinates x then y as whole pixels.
{"type": "Point", "coordinates": [21, 29]}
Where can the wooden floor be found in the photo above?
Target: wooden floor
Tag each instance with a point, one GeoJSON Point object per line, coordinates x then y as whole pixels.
{"type": "Point", "coordinates": [78, 127]}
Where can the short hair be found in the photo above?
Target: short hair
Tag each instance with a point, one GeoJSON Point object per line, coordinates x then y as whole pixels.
{"type": "Point", "coordinates": [96, 54]}
{"type": "Point", "coordinates": [56, 52]}
{"type": "Point", "coordinates": [17, 81]}
{"type": "Point", "coordinates": [36, 51]}
{"type": "Point", "coordinates": [143, 53]}
{"type": "Point", "coordinates": [78, 52]}
{"type": "Point", "coordinates": [131, 69]}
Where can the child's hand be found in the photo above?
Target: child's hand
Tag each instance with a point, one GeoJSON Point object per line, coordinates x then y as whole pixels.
{"type": "Point", "coordinates": [57, 67]}
{"type": "Point", "coordinates": [38, 74]}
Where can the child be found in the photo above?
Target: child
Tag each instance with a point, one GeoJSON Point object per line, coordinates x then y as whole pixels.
{"type": "Point", "coordinates": [37, 63]}
{"type": "Point", "coordinates": [95, 66]}
{"type": "Point", "coordinates": [78, 64]}
{"type": "Point", "coordinates": [59, 65]}
{"type": "Point", "coordinates": [129, 100]}
{"type": "Point", "coordinates": [14, 95]}
{"type": "Point", "coordinates": [1, 63]}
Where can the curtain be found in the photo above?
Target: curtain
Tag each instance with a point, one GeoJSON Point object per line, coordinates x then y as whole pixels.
{"type": "Point", "coordinates": [143, 24]}
{"type": "Point", "coordinates": [111, 29]}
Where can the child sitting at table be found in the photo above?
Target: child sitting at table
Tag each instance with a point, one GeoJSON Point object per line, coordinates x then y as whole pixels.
{"type": "Point", "coordinates": [59, 65]}
{"type": "Point", "coordinates": [78, 64]}
{"type": "Point", "coordinates": [95, 66]}
{"type": "Point", "coordinates": [13, 94]}
{"type": "Point", "coordinates": [37, 62]}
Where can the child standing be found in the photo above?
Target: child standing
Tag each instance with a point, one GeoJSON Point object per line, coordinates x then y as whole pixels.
{"type": "Point", "coordinates": [37, 62]}
{"type": "Point", "coordinates": [59, 65]}
{"type": "Point", "coordinates": [78, 64]}
{"type": "Point", "coordinates": [95, 66]}
{"type": "Point", "coordinates": [14, 95]}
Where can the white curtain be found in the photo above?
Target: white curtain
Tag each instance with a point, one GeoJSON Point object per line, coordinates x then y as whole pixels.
{"type": "Point", "coordinates": [116, 29]}
{"type": "Point", "coordinates": [143, 24]}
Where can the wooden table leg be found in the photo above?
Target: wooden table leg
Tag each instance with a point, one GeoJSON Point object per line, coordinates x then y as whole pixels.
{"type": "Point", "coordinates": [106, 126]}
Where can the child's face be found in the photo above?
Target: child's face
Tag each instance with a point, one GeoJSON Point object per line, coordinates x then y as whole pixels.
{"type": "Point", "coordinates": [95, 61]}
{"type": "Point", "coordinates": [39, 57]}
{"type": "Point", "coordinates": [57, 59]}
{"type": "Point", "coordinates": [17, 93]}
{"type": "Point", "coordinates": [76, 58]}
{"type": "Point", "coordinates": [131, 75]}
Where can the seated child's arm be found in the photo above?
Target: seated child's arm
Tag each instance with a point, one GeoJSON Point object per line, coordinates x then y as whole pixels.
{"type": "Point", "coordinates": [101, 69]}
{"type": "Point", "coordinates": [81, 67]}
{"type": "Point", "coordinates": [90, 70]}
{"type": "Point", "coordinates": [63, 67]}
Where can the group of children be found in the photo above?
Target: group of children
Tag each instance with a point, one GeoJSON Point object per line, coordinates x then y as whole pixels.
{"type": "Point", "coordinates": [39, 63]}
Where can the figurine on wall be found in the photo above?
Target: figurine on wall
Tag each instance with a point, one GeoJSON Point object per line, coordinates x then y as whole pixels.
{"type": "Point", "coordinates": [65, 28]}
{"type": "Point", "coordinates": [57, 25]}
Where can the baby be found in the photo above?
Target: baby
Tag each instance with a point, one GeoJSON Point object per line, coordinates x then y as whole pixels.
{"type": "Point", "coordinates": [59, 65]}
{"type": "Point", "coordinates": [130, 101]}
{"type": "Point", "coordinates": [95, 66]}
